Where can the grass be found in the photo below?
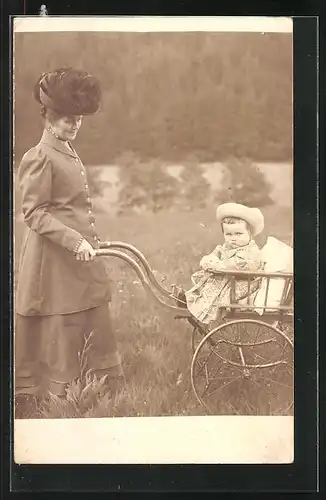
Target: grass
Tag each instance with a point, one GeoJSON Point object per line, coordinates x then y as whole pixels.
{"type": "Point", "coordinates": [156, 348]}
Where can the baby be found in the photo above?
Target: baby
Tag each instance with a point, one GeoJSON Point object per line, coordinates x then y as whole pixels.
{"type": "Point", "coordinates": [211, 292]}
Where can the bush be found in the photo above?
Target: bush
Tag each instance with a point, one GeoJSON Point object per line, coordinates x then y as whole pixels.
{"type": "Point", "coordinates": [244, 183]}
{"type": "Point", "coordinates": [95, 183]}
{"type": "Point", "coordinates": [149, 185]}
{"type": "Point", "coordinates": [146, 186]}
{"type": "Point", "coordinates": [195, 189]}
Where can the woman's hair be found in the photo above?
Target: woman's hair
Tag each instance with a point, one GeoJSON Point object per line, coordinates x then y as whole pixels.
{"type": "Point", "coordinates": [50, 114]}
{"type": "Point", "coordinates": [236, 220]}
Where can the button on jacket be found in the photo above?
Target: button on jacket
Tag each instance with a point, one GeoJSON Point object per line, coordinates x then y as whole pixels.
{"type": "Point", "coordinates": [58, 211]}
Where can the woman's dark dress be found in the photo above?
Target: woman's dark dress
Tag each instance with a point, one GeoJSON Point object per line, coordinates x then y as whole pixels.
{"type": "Point", "coordinates": [59, 300]}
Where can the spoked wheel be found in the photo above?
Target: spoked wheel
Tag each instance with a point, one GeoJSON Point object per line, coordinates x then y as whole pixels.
{"type": "Point", "coordinates": [287, 328]}
{"type": "Point", "coordinates": [244, 367]}
{"type": "Point", "coordinates": [198, 334]}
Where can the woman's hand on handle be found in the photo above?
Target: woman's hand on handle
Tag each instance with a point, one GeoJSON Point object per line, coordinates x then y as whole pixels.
{"type": "Point", "coordinates": [85, 251]}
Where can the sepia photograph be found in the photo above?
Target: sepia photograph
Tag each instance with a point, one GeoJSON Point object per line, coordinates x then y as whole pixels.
{"type": "Point", "coordinates": [153, 240]}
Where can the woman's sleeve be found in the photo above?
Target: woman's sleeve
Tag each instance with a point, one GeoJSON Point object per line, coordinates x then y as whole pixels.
{"type": "Point", "coordinates": [35, 179]}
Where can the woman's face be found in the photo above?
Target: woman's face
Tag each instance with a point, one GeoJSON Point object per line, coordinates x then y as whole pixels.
{"type": "Point", "coordinates": [67, 127]}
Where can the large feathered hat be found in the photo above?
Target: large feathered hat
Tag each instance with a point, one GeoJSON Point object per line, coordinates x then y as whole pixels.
{"type": "Point", "coordinates": [69, 91]}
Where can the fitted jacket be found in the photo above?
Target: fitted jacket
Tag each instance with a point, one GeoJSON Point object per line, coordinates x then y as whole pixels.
{"type": "Point", "coordinates": [57, 210]}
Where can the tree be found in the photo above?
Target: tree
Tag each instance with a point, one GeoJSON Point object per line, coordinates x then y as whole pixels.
{"type": "Point", "coordinates": [195, 188]}
{"type": "Point", "coordinates": [167, 95]}
{"type": "Point", "coordinates": [146, 186]}
{"type": "Point", "coordinates": [244, 183]}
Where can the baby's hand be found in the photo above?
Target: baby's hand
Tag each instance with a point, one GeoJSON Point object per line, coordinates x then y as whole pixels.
{"type": "Point", "coordinates": [210, 263]}
{"type": "Point", "coordinates": [206, 260]}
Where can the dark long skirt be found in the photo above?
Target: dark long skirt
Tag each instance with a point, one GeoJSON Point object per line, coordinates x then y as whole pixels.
{"type": "Point", "coordinates": [48, 349]}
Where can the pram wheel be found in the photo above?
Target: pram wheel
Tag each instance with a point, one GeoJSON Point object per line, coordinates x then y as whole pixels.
{"type": "Point", "coordinates": [200, 331]}
{"type": "Point", "coordinates": [244, 367]}
{"type": "Point", "coordinates": [197, 336]}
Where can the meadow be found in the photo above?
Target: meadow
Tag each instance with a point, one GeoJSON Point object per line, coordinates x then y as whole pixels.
{"type": "Point", "coordinates": [156, 347]}
{"type": "Point", "coordinates": [168, 99]}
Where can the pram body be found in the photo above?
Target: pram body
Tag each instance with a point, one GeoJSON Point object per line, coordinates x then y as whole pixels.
{"type": "Point", "coordinates": [247, 358]}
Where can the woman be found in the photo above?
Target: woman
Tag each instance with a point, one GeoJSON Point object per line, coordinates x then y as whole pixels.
{"type": "Point", "coordinates": [63, 292]}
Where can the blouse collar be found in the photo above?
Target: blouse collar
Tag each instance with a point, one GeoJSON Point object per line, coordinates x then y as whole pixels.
{"type": "Point", "coordinates": [53, 142]}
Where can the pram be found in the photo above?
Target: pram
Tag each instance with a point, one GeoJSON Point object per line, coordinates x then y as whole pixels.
{"type": "Point", "coordinates": [247, 359]}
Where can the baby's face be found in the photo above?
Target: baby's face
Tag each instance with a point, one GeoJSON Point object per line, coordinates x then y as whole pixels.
{"type": "Point", "coordinates": [236, 234]}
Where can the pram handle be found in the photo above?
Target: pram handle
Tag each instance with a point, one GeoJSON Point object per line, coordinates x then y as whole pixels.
{"type": "Point", "coordinates": [150, 283]}
{"type": "Point", "coordinates": [225, 272]}
{"type": "Point", "coordinates": [105, 245]}
{"type": "Point", "coordinates": [144, 271]}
